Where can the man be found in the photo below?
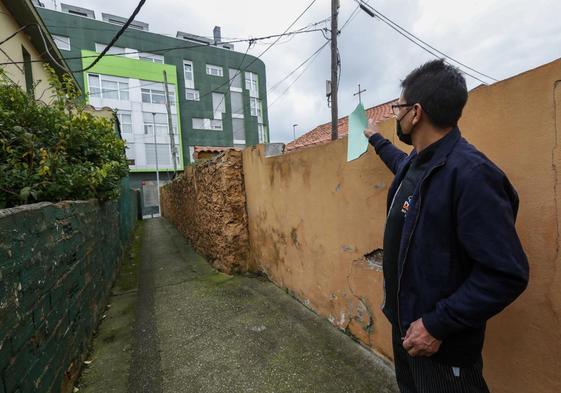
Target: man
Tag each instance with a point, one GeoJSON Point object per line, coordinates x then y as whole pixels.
{"type": "Point", "coordinates": [452, 258]}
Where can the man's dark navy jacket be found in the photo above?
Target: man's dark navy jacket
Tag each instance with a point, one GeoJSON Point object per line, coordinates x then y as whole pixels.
{"type": "Point", "coordinates": [460, 260]}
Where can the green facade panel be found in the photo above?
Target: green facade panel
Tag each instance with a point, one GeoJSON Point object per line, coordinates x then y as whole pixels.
{"type": "Point", "coordinates": [84, 33]}
{"type": "Point", "coordinates": [133, 68]}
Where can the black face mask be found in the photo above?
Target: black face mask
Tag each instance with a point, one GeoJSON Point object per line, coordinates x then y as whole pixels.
{"type": "Point", "coordinates": [405, 138]}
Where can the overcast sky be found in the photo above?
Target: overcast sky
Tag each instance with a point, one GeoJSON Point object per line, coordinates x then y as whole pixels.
{"type": "Point", "coordinates": [500, 38]}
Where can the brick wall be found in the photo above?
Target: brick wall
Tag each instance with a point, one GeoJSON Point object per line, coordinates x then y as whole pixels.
{"type": "Point", "coordinates": [207, 205]}
{"type": "Point", "coordinates": [57, 264]}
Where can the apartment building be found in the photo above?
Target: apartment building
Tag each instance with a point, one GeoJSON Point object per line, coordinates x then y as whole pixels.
{"type": "Point", "coordinates": [217, 95]}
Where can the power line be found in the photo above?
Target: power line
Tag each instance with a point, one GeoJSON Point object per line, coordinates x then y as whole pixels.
{"type": "Point", "coordinates": [309, 59]}
{"type": "Point", "coordinates": [307, 27]}
{"type": "Point", "coordinates": [119, 33]}
{"type": "Point", "coordinates": [98, 57]}
{"type": "Point", "coordinates": [229, 81]}
{"type": "Point", "coordinates": [238, 72]}
{"type": "Point", "coordinates": [349, 20]}
{"type": "Point", "coordinates": [14, 33]}
{"type": "Point", "coordinates": [351, 17]}
{"type": "Point", "coordinates": [168, 49]}
{"type": "Point", "coordinates": [296, 69]}
{"type": "Point", "coordinates": [413, 38]}
{"type": "Point", "coordinates": [300, 31]}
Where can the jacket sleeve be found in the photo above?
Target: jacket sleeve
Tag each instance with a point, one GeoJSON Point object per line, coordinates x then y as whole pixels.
{"type": "Point", "coordinates": [486, 211]}
{"type": "Point", "coordinates": [390, 154]}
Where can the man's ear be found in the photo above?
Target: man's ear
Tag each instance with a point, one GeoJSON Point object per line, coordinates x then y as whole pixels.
{"type": "Point", "coordinates": [417, 116]}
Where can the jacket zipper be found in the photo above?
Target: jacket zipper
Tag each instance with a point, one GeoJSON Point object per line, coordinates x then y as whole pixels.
{"type": "Point", "coordinates": [409, 243]}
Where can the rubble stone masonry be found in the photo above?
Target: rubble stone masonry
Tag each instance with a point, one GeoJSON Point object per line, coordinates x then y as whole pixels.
{"type": "Point", "coordinates": [207, 205]}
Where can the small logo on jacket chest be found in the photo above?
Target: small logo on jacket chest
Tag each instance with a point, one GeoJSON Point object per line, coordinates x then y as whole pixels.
{"type": "Point", "coordinates": [406, 204]}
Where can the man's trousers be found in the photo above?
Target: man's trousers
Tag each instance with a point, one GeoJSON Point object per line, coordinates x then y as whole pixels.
{"type": "Point", "coordinates": [424, 375]}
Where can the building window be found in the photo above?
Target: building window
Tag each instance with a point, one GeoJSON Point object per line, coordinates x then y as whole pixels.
{"type": "Point", "coordinates": [254, 106]}
{"type": "Point", "coordinates": [151, 58]}
{"type": "Point", "coordinates": [161, 122]}
{"type": "Point", "coordinates": [188, 74]}
{"type": "Point", "coordinates": [125, 121]}
{"type": "Point", "coordinates": [103, 86]}
{"type": "Point", "coordinates": [214, 70]}
{"type": "Point", "coordinates": [262, 131]}
{"type": "Point", "coordinates": [218, 105]}
{"type": "Point", "coordinates": [94, 85]}
{"type": "Point", "coordinates": [154, 93]}
{"type": "Point", "coordinates": [192, 95]}
{"type": "Point", "coordinates": [114, 50]}
{"type": "Point", "coordinates": [27, 71]}
{"type": "Point", "coordinates": [73, 10]}
{"type": "Point", "coordinates": [207, 124]}
{"type": "Point", "coordinates": [162, 150]}
{"type": "Point", "coordinates": [235, 79]}
{"type": "Point", "coordinates": [130, 153]}
{"type": "Point", "coordinates": [199, 124]}
{"type": "Point", "coordinates": [238, 127]}
{"type": "Point", "coordinates": [62, 42]}
{"type": "Point", "coordinates": [216, 124]}
{"type": "Point", "coordinates": [237, 104]}
{"type": "Point", "coordinates": [252, 84]}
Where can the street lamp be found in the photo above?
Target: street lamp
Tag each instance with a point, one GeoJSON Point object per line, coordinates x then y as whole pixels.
{"type": "Point", "coordinates": [294, 130]}
{"type": "Point", "coordinates": [156, 153]}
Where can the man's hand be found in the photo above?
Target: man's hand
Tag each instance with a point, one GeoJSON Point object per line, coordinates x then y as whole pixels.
{"type": "Point", "coordinates": [419, 342]}
{"type": "Point", "coordinates": [371, 129]}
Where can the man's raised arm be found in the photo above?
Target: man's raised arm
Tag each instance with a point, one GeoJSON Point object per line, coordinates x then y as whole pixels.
{"type": "Point", "coordinates": [390, 154]}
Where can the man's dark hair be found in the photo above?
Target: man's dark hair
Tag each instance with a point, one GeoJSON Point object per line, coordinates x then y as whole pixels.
{"type": "Point", "coordinates": [440, 89]}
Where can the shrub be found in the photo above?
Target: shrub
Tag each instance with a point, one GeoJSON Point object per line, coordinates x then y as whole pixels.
{"type": "Point", "coordinates": [58, 151]}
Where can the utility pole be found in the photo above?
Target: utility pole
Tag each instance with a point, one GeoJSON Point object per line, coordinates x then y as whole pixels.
{"type": "Point", "coordinates": [334, 64]}
{"type": "Point", "coordinates": [170, 127]}
{"type": "Point", "coordinates": [359, 94]}
{"type": "Point", "coordinates": [156, 153]}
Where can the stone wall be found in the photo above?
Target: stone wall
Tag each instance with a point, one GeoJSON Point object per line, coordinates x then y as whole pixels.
{"type": "Point", "coordinates": [57, 265]}
{"type": "Point", "coordinates": [207, 205]}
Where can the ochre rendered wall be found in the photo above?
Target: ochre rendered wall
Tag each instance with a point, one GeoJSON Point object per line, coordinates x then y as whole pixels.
{"type": "Point", "coordinates": [313, 216]}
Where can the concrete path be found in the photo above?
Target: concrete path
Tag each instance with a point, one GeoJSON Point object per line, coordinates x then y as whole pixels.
{"type": "Point", "coordinates": [198, 330]}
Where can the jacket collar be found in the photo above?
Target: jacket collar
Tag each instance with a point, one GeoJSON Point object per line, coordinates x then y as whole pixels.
{"type": "Point", "coordinates": [445, 148]}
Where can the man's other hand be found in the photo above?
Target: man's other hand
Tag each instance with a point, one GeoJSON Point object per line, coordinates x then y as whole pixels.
{"type": "Point", "coordinates": [419, 342]}
{"type": "Point", "coordinates": [371, 129]}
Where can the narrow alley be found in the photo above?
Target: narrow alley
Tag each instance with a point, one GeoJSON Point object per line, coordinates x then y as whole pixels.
{"type": "Point", "coordinates": [198, 330]}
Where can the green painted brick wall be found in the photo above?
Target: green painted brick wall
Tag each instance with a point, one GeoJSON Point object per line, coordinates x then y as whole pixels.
{"type": "Point", "coordinates": [57, 265]}
{"type": "Point", "coordinates": [85, 32]}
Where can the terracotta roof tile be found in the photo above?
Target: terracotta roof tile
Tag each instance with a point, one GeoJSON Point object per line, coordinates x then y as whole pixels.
{"type": "Point", "coordinates": [322, 133]}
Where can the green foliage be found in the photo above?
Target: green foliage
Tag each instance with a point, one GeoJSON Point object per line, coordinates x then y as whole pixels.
{"type": "Point", "coordinates": [58, 151]}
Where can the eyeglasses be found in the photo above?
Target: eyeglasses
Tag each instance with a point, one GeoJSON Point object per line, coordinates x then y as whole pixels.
{"type": "Point", "coordinates": [395, 108]}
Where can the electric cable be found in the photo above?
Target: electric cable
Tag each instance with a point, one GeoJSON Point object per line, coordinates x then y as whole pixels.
{"type": "Point", "coordinates": [296, 69]}
{"type": "Point", "coordinates": [168, 49]}
{"type": "Point", "coordinates": [411, 37]}
{"type": "Point", "coordinates": [311, 59]}
{"type": "Point", "coordinates": [116, 37]}
{"type": "Point", "coordinates": [229, 81]}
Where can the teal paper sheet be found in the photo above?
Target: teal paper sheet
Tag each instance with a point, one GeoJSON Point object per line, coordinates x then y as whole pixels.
{"type": "Point", "coordinates": [357, 142]}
